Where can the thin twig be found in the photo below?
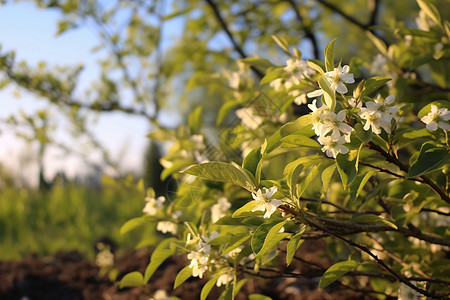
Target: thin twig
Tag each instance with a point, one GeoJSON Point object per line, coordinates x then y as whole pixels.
{"type": "Point", "coordinates": [233, 41]}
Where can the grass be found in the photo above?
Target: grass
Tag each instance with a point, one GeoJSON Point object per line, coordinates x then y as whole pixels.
{"type": "Point", "coordinates": [66, 218]}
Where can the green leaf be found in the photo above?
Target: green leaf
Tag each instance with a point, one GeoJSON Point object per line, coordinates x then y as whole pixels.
{"type": "Point", "coordinates": [132, 279]}
{"type": "Point", "coordinates": [253, 162]}
{"type": "Point", "coordinates": [347, 169]}
{"type": "Point", "coordinates": [369, 219]}
{"type": "Point", "coordinates": [258, 297]}
{"type": "Point", "coordinates": [195, 120]}
{"type": "Point", "coordinates": [329, 92]}
{"type": "Point", "coordinates": [235, 242]}
{"type": "Point", "coordinates": [273, 74]}
{"type": "Point", "coordinates": [225, 109]}
{"type": "Point", "coordinates": [163, 251]}
{"type": "Point", "coordinates": [282, 43]}
{"type": "Point", "coordinates": [224, 172]}
{"type": "Point", "coordinates": [245, 210]}
{"type": "Point", "coordinates": [430, 10]}
{"type": "Point", "coordinates": [430, 158]}
{"type": "Point", "coordinates": [133, 223]}
{"type": "Point", "coordinates": [358, 185]}
{"type": "Point", "coordinates": [294, 243]}
{"type": "Point", "coordinates": [364, 136]}
{"type": "Point", "coordinates": [335, 272]}
{"type": "Point", "coordinates": [417, 32]}
{"type": "Point", "coordinates": [372, 84]}
{"type": "Point", "coordinates": [177, 166]}
{"type": "Point", "coordinates": [327, 174]}
{"type": "Point", "coordinates": [377, 42]}
{"type": "Point", "coordinates": [208, 286]}
{"type": "Point", "coordinates": [182, 276]}
{"type": "Point", "coordinates": [317, 66]}
{"type": "Point", "coordinates": [264, 234]}
{"type": "Point", "coordinates": [329, 56]}
{"type": "Point", "coordinates": [304, 183]}
{"type": "Point", "coordinates": [300, 141]}
{"type": "Point", "coordinates": [293, 169]}
{"type": "Point", "coordinates": [302, 124]}
{"type": "Point", "coordinates": [259, 63]}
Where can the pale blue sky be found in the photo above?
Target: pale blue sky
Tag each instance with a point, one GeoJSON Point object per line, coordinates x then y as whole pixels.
{"type": "Point", "coordinates": [31, 33]}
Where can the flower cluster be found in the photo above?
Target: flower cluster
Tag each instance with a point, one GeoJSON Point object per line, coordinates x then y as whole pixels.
{"type": "Point", "coordinates": [331, 129]}
{"type": "Point", "coordinates": [152, 205]}
{"type": "Point", "coordinates": [379, 114]}
{"type": "Point", "coordinates": [297, 70]}
{"type": "Point", "coordinates": [200, 256]}
{"type": "Point", "coordinates": [218, 210]}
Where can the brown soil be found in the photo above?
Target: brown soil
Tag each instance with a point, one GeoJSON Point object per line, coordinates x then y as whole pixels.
{"type": "Point", "coordinates": [69, 276]}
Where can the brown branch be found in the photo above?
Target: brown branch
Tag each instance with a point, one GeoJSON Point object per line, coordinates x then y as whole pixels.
{"type": "Point", "coordinates": [405, 169]}
{"type": "Point", "coordinates": [354, 21]}
{"type": "Point", "coordinates": [233, 41]}
{"type": "Point", "coordinates": [308, 33]}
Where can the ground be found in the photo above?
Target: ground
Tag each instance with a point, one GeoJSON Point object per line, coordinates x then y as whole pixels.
{"type": "Point", "coordinates": [69, 276]}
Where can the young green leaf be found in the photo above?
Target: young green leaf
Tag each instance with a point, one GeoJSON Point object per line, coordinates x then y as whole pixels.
{"type": "Point", "coordinates": [259, 63]}
{"type": "Point", "coordinates": [347, 169]}
{"type": "Point", "coordinates": [430, 158]}
{"type": "Point", "coordinates": [294, 243]}
{"type": "Point", "coordinates": [224, 172]}
{"type": "Point", "coordinates": [372, 84]}
{"type": "Point", "coordinates": [208, 286]}
{"type": "Point", "coordinates": [245, 210]}
{"type": "Point", "coordinates": [235, 242]}
{"type": "Point", "coordinates": [264, 235]}
{"type": "Point", "coordinates": [133, 279]}
{"type": "Point", "coordinates": [133, 223]}
{"type": "Point", "coordinates": [335, 272]}
{"type": "Point", "coordinates": [329, 56]}
{"type": "Point", "coordinates": [182, 276]}
{"type": "Point", "coordinates": [163, 251]}
{"type": "Point", "coordinates": [370, 219]}
{"type": "Point", "coordinates": [195, 120]}
{"type": "Point", "coordinates": [300, 140]}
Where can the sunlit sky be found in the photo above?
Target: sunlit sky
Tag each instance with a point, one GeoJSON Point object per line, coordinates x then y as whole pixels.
{"type": "Point", "coordinates": [31, 33]}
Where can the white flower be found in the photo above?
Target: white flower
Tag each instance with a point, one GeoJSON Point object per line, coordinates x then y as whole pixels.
{"type": "Point", "coordinates": [265, 203]}
{"type": "Point", "coordinates": [316, 115]}
{"type": "Point", "coordinates": [338, 77]}
{"type": "Point", "coordinates": [299, 97]}
{"type": "Point", "coordinates": [379, 114]}
{"type": "Point", "coordinates": [407, 293]}
{"type": "Point", "coordinates": [152, 205]}
{"type": "Point", "coordinates": [248, 118]}
{"type": "Point", "coordinates": [277, 84]}
{"type": "Point", "coordinates": [352, 102]}
{"type": "Point", "coordinates": [333, 147]}
{"type": "Point", "coordinates": [161, 295]}
{"type": "Point", "coordinates": [218, 210]}
{"type": "Point", "coordinates": [334, 123]}
{"type": "Point", "coordinates": [298, 68]}
{"type": "Point", "coordinates": [224, 279]}
{"type": "Point", "coordinates": [167, 226]}
{"type": "Point", "coordinates": [437, 118]}
{"type": "Point", "coordinates": [104, 258]}
{"type": "Point", "coordinates": [198, 263]}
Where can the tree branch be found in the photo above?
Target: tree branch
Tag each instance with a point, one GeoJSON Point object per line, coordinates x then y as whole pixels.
{"type": "Point", "coordinates": [308, 33]}
{"type": "Point", "coordinates": [351, 19]}
{"type": "Point", "coordinates": [225, 28]}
